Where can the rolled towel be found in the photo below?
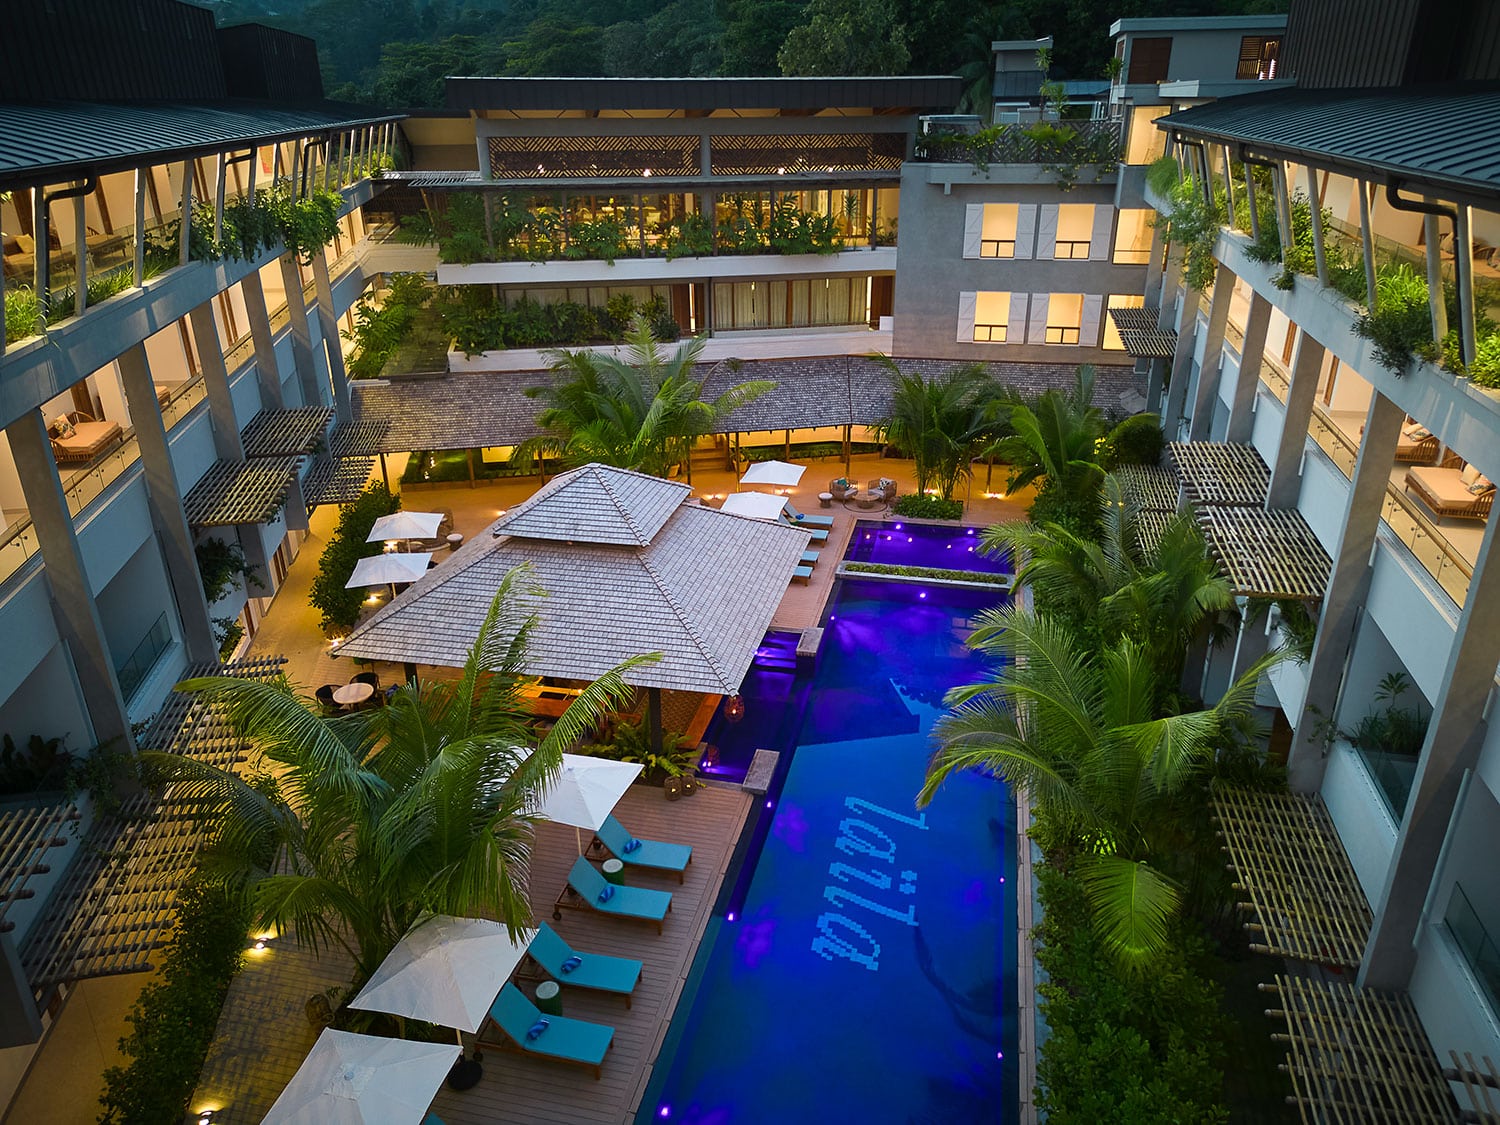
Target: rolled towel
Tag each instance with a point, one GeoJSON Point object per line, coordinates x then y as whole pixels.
{"type": "Point", "coordinates": [537, 1028]}
{"type": "Point", "coordinates": [631, 845]}
{"type": "Point", "coordinates": [799, 517]}
{"type": "Point", "coordinates": [571, 963]}
{"type": "Point", "coordinates": [607, 893]}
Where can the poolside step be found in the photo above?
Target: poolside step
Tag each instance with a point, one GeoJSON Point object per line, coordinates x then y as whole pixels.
{"type": "Point", "coordinates": [809, 643]}
{"type": "Point", "coordinates": [762, 768]}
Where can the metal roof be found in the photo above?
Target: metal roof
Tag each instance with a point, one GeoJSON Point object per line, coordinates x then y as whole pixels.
{"type": "Point", "coordinates": [1448, 135]}
{"type": "Point", "coordinates": [702, 593]}
{"type": "Point", "coordinates": [913, 92]}
{"type": "Point", "coordinates": [47, 142]}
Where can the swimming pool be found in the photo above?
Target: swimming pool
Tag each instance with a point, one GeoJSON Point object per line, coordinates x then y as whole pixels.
{"type": "Point", "coordinates": [922, 544]}
{"type": "Point", "coordinates": [863, 971]}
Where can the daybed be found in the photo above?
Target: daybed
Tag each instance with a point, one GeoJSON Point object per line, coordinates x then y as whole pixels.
{"type": "Point", "coordinates": [82, 438]}
{"type": "Point", "coordinates": [1460, 493]}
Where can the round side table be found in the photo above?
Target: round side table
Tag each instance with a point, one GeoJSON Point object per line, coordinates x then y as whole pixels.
{"type": "Point", "coordinates": [614, 871]}
{"type": "Point", "coordinates": [549, 998]}
{"type": "Point", "coordinates": [825, 499]}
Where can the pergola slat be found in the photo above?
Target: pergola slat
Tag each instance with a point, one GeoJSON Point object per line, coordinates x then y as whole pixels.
{"type": "Point", "coordinates": [1267, 554]}
{"type": "Point", "coordinates": [1481, 1083]}
{"type": "Point", "coordinates": [1221, 474]}
{"type": "Point", "coordinates": [1152, 488]}
{"type": "Point", "coordinates": [363, 438]}
{"type": "Point", "coordinates": [1301, 888]}
{"type": "Point", "coordinates": [114, 906]}
{"type": "Point", "coordinates": [1359, 1056]}
{"type": "Point", "coordinates": [1142, 336]}
{"type": "Point", "coordinates": [28, 833]}
{"type": "Point", "coordinates": [240, 492]}
{"type": "Point", "coordinates": [285, 433]}
{"type": "Point", "coordinates": [336, 480]}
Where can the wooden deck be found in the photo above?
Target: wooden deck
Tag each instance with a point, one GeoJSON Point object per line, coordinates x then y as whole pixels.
{"type": "Point", "coordinates": [527, 1090]}
{"type": "Point", "coordinates": [263, 1034]}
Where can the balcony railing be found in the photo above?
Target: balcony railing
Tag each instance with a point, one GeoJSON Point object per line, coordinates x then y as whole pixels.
{"type": "Point", "coordinates": [1429, 546]}
{"type": "Point", "coordinates": [1044, 142]}
{"type": "Point", "coordinates": [143, 658]}
{"type": "Point", "coordinates": [1473, 939]}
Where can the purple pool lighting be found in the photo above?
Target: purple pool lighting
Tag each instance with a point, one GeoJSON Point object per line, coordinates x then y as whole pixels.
{"type": "Point", "coordinates": [923, 545]}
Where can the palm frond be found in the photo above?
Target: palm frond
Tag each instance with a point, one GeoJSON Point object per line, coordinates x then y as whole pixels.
{"type": "Point", "coordinates": [1133, 906]}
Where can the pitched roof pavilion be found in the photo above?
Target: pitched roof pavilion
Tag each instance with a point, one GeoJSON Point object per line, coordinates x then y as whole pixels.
{"type": "Point", "coordinates": [628, 566]}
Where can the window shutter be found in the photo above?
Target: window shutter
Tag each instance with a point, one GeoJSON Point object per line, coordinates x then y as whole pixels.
{"type": "Point", "coordinates": [1046, 231]}
{"type": "Point", "coordinates": [1088, 324]}
{"type": "Point", "coordinates": [1026, 230]}
{"type": "Point", "coordinates": [966, 305]}
{"type": "Point", "coordinates": [1101, 239]}
{"type": "Point", "coordinates": [1036, 329]}
{"type": "Point", "coordinates": [973, 228]}
{"type": "Point", "coordinates": [1015, 327]}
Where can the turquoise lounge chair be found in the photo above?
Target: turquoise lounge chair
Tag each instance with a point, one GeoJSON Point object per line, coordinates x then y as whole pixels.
{"type": "Point", "coordinates": [804, 520]}
{"type": "Point", "coordinates": [809, 558]}
{"type": "Point", "coordinates": [586, 887]}
{"type": "Point", "coordinates": [553, 1037]}
{"type": "Point", "coordinates": [802, 574]}
{"type": "Point", "coordinates": [653, 854]}
{"type": "Point", "coordinates": [819, 535]}
{"type": "Point", "coordinates": [598, 971]}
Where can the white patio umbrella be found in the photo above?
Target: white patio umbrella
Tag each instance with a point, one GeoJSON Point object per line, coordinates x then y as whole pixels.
{"type": "Point", "coordinates": [586, 792]}
{"type": "Point", "coordinates": [350, 1079]}
{"type": "Point", "coordinates": [445, 970]}
{"type": "Point", "coordinates": [406, 525]}
{"type": "Point", "coordinates": [756, 505]}
{"type": "Point", "coordinates": [383, 570]}
{"type": "Point", "coordinates": [782, 473]}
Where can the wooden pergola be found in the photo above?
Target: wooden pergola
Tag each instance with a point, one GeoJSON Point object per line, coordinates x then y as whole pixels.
{"type": "Point", "coordinates": [239, 492]}
{"type": "Point", "coordinates": [115, 904]}
{"type": "Point", "coordinates": [1267, 554]}
{"type": "Point", "coordinates": [1358, 1057]}
{"type": "Point", "coordinates": [1221, 473]}
{"type": "Point", "coordinates": [1301, 892]}
{"type": "Point", "coordinates": [1140, 334]}
{"type": "Point", "coordinates": [285, 433]}
{"type": "Point", "coordinates": [1151, 488]}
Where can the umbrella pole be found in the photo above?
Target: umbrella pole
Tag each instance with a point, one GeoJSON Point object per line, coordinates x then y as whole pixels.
{"type": "Point", "coordinates": [578, 835]}
{"type": "Point", "coordinates": [653, 718]}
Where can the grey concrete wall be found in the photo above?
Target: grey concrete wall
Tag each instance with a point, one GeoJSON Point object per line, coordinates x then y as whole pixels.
{"type": "Point", "coordinates": [933, 270]}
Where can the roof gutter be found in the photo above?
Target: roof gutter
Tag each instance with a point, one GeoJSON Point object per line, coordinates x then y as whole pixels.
{"type": "Point", "coordinates": [42, 233]}
{"type": "Point", "coordinates": [1463, 263]}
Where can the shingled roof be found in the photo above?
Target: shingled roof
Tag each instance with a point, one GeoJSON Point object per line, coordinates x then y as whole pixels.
{"type": "Point", "coordinates": [700, 587]}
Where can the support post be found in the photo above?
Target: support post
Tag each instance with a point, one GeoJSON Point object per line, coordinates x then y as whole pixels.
{"type": "Point", "coordinates": [300, 331]}
{"type": "Point", "coordinates": [1201, 421]}
{"type": "Point", "coordinates": [1348, 583]}
{"type": "Point", "coordinates": [266, 371]}
{"type": "Point", "coordinates": [1455, 735]}
{"type": "Point", "coordinates": [186, 227]}
{"type": "Point", "coordinates": [1463, 277]}
{"type": "Point", "coordinates": [72, 596]}
{"type": "Point", "coordinates": [140, 226]}
{"type": "Point", "coordinates": [1286, 473]}
{"type": "Point", "coordinates": [1252, 352]}
{"type": "Point", "coordinates": [1367, 241]}
{"type": "Point", "coordinates": [1436, 306]}
{"type": "Point", "coordinates": [1182, 363]}
{"type": "Point", "coordinates": [81, 256]}
{"type": "Point", "coordinates": [328, 327]}
{"type": "Point", "coordinates": [653, 718]}
{"type": "Point", "coordinates": [164, 499]}
{"type": "Point", "coordinates": [226, 427]}
{"type": "Point", "coordinates": [1320, 252]}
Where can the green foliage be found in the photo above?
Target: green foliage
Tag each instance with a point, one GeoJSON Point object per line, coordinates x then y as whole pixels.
{"type": "Point", "coordinates": [23, 313]}
{"type": "Point", "coordinates": [921, 506]}
{"type": "Point", "coordinates": [632, 743]}
{"type": "Point", "coordinates": [1400, 325]}
{"type": "Point", "coordinates": [1163, 174]}
{"type": "Point", "coordinates": [1393, 729]}
{"type": "Point", "coordinates": [228, 632]}
{"type": "Point", "coordinates": [43, 765]}
{"type": "Point", "coordinates": [1055, 439]}
{"type": "Point", "coordinates": [689, 236]}
{"type": "Point", "coordinates": [941, 423]}
{"type": "Point", "coordinates": [1133, 1049]}
{"type": "Point", "coordinates": [346, 546]}
{"type": "Point", "coordinates": [846, 37]}
{"type": "Point", "coordinates": [932, 573]}
{"type": "Point", "coordinates": [1138, 440]}
{"type": "Point", "coordinates": [380, 331]}
{"type": "Point", "coordinates": [477, 321]}
{"type": "Point", "coordinates": [599, 239]}
{"type": "Point", "coordinates": [173, 1021]}
{"type": "Point", "coordinates": [1485, 370]}
{"type": "Point", "coordinates": [345, 830]}
{"type": "Point", "coordinates": [101, 287]}
{"type": "Point", "coordinates": [1194, 225]}
{"type": "Point", "coordinates": [220, 565]}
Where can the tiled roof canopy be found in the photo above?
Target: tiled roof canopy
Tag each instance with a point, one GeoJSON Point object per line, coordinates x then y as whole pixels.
{"type": "Point", "coordinates": [701, 591]}
{"type": "Point", "coordinates": [1288, 861]}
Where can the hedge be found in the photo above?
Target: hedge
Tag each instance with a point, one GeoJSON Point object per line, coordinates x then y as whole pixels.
{"type": "Point", "coordinates": [340, 607]}
{"type": "Point", "coordinates": [920, 506]}
{"type": "Point", "coordinates": [935, 573]}
{"type": "Point", "coordinates": [173, 1022]}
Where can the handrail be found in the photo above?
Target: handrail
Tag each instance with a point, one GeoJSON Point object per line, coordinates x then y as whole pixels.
{"type": "Point", "coordinates": [1473, 939]}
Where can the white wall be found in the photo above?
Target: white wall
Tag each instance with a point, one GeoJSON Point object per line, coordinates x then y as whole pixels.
{"type": "Point", "coordinates": [1365, 827]}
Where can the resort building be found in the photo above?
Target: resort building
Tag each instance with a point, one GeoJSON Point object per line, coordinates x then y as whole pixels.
{"type": "Point", "coordinates": [1332, 391]}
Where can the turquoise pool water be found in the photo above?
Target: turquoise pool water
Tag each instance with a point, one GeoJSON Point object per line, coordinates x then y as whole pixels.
{"type": "Point", "coordinates": [862, 968]}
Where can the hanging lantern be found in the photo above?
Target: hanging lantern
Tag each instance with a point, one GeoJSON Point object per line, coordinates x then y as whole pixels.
{"type": "Point", "coordinates": [734, 708]}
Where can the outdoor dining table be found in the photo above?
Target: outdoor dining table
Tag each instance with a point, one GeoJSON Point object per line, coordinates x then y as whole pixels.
{"type": "Point", "coordinates": [351, 694]}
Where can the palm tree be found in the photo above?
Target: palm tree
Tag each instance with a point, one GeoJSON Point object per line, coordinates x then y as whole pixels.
{"type": "Point", "coordinates": [350, 828]}
{"type": "Point", "coordinates": [643, 412]}
{"type": "Point", "coordinates": [1108, 586]}
{"type": "Point", "coordinates": [940, 423]}
{"type": "Point", "coordinates": [1056, 440]}
{"type": "Point", "coordinates": [1077, 729]}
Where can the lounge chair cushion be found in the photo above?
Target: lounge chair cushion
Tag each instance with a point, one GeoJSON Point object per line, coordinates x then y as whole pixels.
{"type": "Point", "coordinates": [1469, 475]}
{"type": "Point", "coordinates": [650, 853]}
{"type": "Point", "coordinates": [573, 1040]}
{"type": "Point", "coordinates": [598, 971]}
{"type": "Point", "coordinates": [631, 902]}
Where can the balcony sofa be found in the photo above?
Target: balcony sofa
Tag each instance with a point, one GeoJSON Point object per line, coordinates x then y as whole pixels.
{"type": "Point", "coordinates": [79, 437]}
{"type": "Point", "coordinates": [1458, 491]}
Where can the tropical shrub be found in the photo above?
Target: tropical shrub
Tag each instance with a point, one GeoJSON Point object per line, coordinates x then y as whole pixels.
{"type": "Point", "coordinates": [220, 566]}
{"type": "Point", "coordinates": [1055, 439]}
{"type": "Point", "coordinates": [23, 313]}
{"type": "Point", "coordinates": [921, 506]}
{"type": "Point", "coordinates": [689, 236]}
{"type": "Point", "coordinates": [346, 546]}
{"type": "Point", "coordinates": [930, 573]}
{"type": "Point", "coordinates": [380, 330]}
{"type": "Point", "coordinates": [1193, 223]}
{"type": "Point", "coordinates": [941, 423]}
{"type": "Point", "coordinates": [1400, 325]}
{"type": "Point", "coordinates": [172, 1023]}
{"type": "Point", "coordinates": [1138, 440]}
